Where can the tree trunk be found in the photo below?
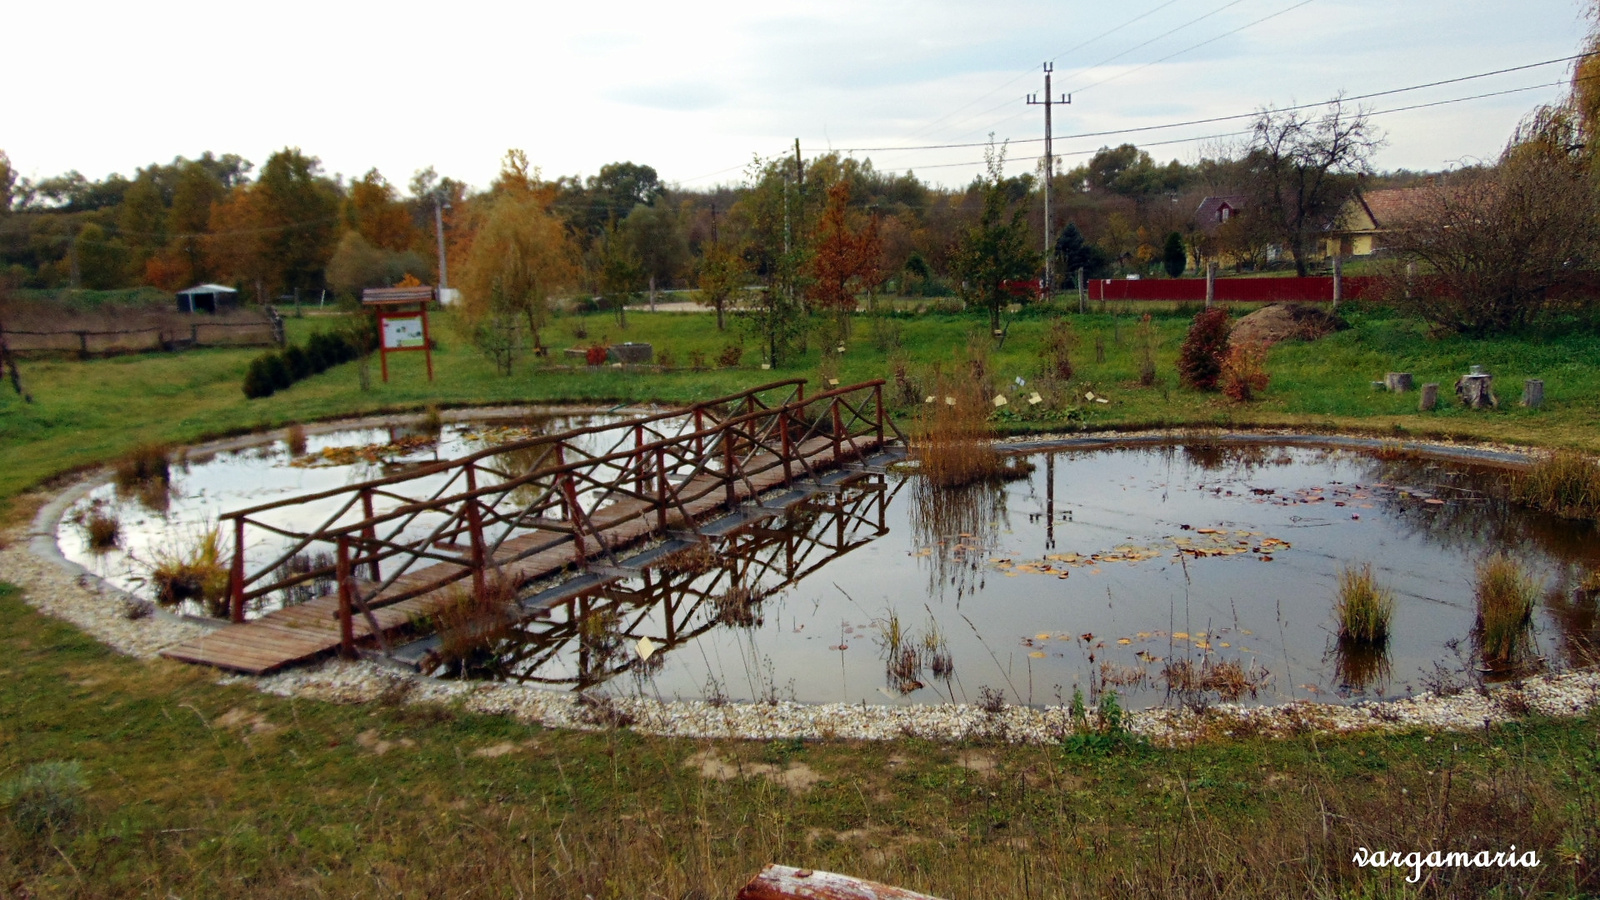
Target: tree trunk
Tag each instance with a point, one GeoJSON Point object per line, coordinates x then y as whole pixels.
{"type": "Point", "coordinates": [720, 325]}
{"type": "Point", "coordinates": [652, 292]}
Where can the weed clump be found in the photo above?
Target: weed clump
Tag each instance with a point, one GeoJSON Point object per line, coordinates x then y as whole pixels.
{"type": "Point", "coordinates": [952, 438]}
{"type": "Point", "coordinates": [739, 606]}
{"type": "Point", "coordinates": [195, 572]}
{"type": "Point", "coordinates": [294, 437]}
{"type": "Point", "coordinates": [1244, 372]}
{"type": "Point", "coordinates": [1145, 347]}
{"type": "Point", "coordinates": [1565, 484]}
{"type": "Point", "coordinates": [1505, 595]}
{"type": "Point", "coordinates": [1204, 348]}
{"type": "Point", "coordinates": [147, 464]}
{"type": "Point", "coordinates": [1364, 609]}
{"type": "Point", "coordinates": [1060, 341]}
{"type": "Point", "coordinates": [696, 559]}
{"type": "Point", "coordinates": [471, 623]}
{"type": "Point", "coordinates": [46, 799]}
{"type": "Point", "coordinates": [103, 529]}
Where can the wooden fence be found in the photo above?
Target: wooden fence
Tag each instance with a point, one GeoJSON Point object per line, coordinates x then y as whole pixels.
{"type": "Point", "coordinates": [1233, 290]}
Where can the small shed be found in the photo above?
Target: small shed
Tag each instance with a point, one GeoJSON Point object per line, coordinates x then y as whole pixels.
{"type": "Point", "coordinates": [208, 298]}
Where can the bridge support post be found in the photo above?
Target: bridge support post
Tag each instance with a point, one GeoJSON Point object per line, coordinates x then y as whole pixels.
{"type": "Point", "coordinates": [837, 427]}
{"type": "Point", "coordinates": [727, 466]}
{"type": "Point", "coordinates": [877, 402]}
{"type": "Point", "coordinates": [236, 577]}
{"type": "Point", "coordinates": [347, 634]}
{"type": "Point", "coordinates": [475, 530]}
{"type": "Point", "coordinates": [661, 489]}
{"type": "Point", "coordinates": [370, 534]}
{"type": "Point", "coordinates": [783, 431]}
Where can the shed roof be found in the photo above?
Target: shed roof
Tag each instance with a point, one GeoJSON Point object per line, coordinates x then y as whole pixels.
{"type": "Point", "coordinates": [421, 294]}
{"type": "Point", "coordinates": [209, 289]}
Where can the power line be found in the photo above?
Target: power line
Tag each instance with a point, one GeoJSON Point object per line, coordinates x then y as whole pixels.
{"type": "Point", "coordinates": [1249, 115]}
{"type": "Point", "coordinates": [1194, 47]}
{"type": "Point", "coordinates": [1158, 37]}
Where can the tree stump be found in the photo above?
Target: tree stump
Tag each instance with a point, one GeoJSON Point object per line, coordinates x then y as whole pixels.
{"type": "Point", "coordinates": [1533, 393]}
{"type": "Point", "coordinates": [1477, 391]}
{"type": "Point", "coordinates": [784, 883]}
{"type": "Point", "coordinates": [1398, 382]}
{"type": "Point", "coordinates": [1429, 399]}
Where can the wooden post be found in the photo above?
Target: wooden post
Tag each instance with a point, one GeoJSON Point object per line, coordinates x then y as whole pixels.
{"type": "Point", "coordinates": [1211, 283]}
{"type": "Point", "coordinates": [236, 607]}
{"type": "Point", "coordinates": [347, 632]}
{"type": "Point", "coordinates": [785, 883]}
{"type": "Point", "coordinates": [370, 533]}
{"type": "Point", "coordinates": [727, 465]}
{"type": "Point", "coordinates": [661, 489]}
{"type": "Point", "coordinates": [1338, 280]}
{"type": "Point", "coordinates": [475, 531]}
{"type": "Point", "coordinates": [699, 426]}
{"type": "Point", "coordinates": [783, 434]}
{"type": "Point", "coordinates": [427, 341]}
{"type": "Point", "coordinates": [642, 478]}
{"type": "Point", "coordinates": [83, 345]}
{"type": "Point", "coordinates": [834, 407]}
{"type": "Point", "coordinates": [1533, 393]}
{"type": "Point", "coordinates": [1398, 382]}
{"type": "Point", "coordinates": [1083, 298]}
{"type": "Point", "coordinates": [1430, 397]}
{"type": "Point", "coordinates": [877, 402]}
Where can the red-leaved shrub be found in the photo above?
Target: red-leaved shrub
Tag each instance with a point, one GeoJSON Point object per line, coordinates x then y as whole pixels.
{"type": "Point", "coordinates": [1200, 358]}
{"type": "Point", "coordinates": [1244, 371]}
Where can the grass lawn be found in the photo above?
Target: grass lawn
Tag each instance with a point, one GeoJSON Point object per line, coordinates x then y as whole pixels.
{"type": "Point", "coordinates": [196, 790]}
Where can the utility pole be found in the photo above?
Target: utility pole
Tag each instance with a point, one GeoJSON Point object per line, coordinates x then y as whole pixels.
{"type": "Point", "coordinates": [1049, 167]}
{"type": "Point", "coordinates": [439, 204]}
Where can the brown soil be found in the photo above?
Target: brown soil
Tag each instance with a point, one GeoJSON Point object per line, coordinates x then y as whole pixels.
{"type": "Point", "coordinates": [1285, 321]}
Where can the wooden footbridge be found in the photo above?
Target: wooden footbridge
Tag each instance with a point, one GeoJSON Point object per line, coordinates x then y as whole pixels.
{"type": "Point", "coordinates": [393, 551]}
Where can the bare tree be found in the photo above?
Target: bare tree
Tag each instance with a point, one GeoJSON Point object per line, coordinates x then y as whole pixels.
{"type": "Point", "coordinates": [1496, 249]}
{"type": "Point", "coordinates": [1301, 169]}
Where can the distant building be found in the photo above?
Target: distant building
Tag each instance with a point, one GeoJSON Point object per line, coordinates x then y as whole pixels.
{"type": "Point", "coordinates": [207, 298]}
{"type": "Point", "coordinates": [1362, 223]}
{"type": "Point", "coordinates": [1214, 212]}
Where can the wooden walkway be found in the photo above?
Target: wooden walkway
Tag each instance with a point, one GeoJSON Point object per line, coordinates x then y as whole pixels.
{"type": "Point", "coordinates": [312, 630]}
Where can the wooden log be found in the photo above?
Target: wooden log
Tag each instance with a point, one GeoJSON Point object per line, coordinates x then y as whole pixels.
{"type": "Point", "coordinates": [1398, 382]}
{"type": "Point", "coordinates": [1430, 397]}
{"type": "Point", "coordinates": [784, 883]}
{"type": "Point", "coordinates": [1477, 391]}
{"type": "Point", "coordinates": [1533, 393]}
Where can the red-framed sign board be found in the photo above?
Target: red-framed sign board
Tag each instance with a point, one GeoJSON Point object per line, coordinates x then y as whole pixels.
{"type": "Point", "coordinates": [402, 322]}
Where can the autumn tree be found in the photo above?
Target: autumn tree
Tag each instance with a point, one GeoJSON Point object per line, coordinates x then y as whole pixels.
{"type": "Point", "coordinates": [8, 183]}
{"type": "Point", "coordinates": [616, 271]}
{"type": "Point", "coordinates": [998, 248]}
{"type": "Point", "coordinates": [1301, 169]}
{"type": "Point", "coordinates": [722, 274]}
{"type": "Point", "coordinates": [197, 190]}
{"type": "Point", "coordinates": [372, 209]}
{"type": "Point", "coordinates": [298, 213]}
{"type": "Point", "coordinates": [142, 222]}
{"type": "Point", "coordinates": [519, 255]}
{"type": "Point", "coordinates": [845, 260]}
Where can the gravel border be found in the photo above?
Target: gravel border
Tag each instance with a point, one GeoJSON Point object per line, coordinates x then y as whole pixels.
{"type": "Point", "coordinates": [60, 588]}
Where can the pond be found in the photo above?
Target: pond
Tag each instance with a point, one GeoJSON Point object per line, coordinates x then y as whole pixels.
{"type": "Point", "coordinates": [1169, 574]}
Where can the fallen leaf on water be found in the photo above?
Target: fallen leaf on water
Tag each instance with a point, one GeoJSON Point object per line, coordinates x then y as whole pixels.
{"type": "Point", "coordinates": [1037, 654]}
{"type": "Point", "coordinates": [1180, 635]}
{"type": "Point", "coordinates": [1124, 641]}
{"type": "Point", "coordinates": [1042, 636]}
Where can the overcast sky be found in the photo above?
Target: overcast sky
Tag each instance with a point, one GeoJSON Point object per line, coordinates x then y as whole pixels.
{"type": "Point", "coordinates": [696, 89]}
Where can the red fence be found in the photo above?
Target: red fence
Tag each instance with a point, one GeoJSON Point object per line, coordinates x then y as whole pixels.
{"type": "Point", "coordinates": [1232, 290]}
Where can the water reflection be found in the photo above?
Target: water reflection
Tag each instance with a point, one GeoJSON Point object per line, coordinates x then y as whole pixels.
{"type": "Point", "coordinates": [955, 529]}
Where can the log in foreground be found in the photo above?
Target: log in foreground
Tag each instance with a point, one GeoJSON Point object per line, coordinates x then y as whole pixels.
{"type": "Point", "coordinates": [785, 883]}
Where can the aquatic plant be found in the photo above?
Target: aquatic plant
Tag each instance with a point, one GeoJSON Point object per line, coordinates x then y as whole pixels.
{"type": "Point", "coordinates": [294, 437]}
{"type": "Point", "coordinates": [1364, 609]}
{"type": "Point", "coordinates": [1505, 595]}
{"type": "Point", "coordinates": [471, 622]}
{"type": "Point", "coordinates": [103, 529]}
{"type": "Point", "coordinates": [195, 571]}
{"type": "Point", "coordinates": [1565, 483]}
{"type": "Point", "coordinates": [952, 438]}
{"type": "Point", "coordinates": [147, 463]}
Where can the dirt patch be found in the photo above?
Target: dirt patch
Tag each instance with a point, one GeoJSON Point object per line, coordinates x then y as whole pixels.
{"type": "Point", "coordinates": [975, 761]}
{"type": "Point", "coordinates": [370, 740]}
{"type": "Point", "coordinates": [241, 719]}
{"type": "Point", "coordinates": [1283, 322]}
{"type": "Point", "coordinates": [797, 777]}
{"type": "Point", "coordinates": [494, 750]}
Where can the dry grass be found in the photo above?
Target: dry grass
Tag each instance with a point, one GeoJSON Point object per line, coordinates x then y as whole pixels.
{"type": "Point", "coordinates": [1227, 678]}
{"type": "Point", "coordinates": [193, 572]}
{"type": "Point", "coordinates": [952, 437]}
{"type": "Point", "coordinates": [471, 623]}
{"type": "Point", "coordinates": [432, 421]}
{"type": "Point", "coordinates": [294, 437]}
{"type": "Point", "coordinates": [1364, 609]}
{"type": "Point", "coordinates": [147, 464]}
{"type": "Point", "coordinates": [103, 529]}
{"type": "Point", "coordinates": [1360, 665]}
{"type": "Point", "coordinates": [739, 606]}
{"type": "Point", "coordinates": [1565, 483]}
{"type": "Point", "coordinates": [696, 559]}
{"type": "Point", "coordinates": [1505, 595]}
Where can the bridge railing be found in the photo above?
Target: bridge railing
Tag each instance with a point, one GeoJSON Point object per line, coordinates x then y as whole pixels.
{"type": "Point", "coordinates": [555, 495]}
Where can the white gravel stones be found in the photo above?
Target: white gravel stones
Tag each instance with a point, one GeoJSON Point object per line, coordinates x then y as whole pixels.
{"type": "Point", "coordinates": [58, 588]}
